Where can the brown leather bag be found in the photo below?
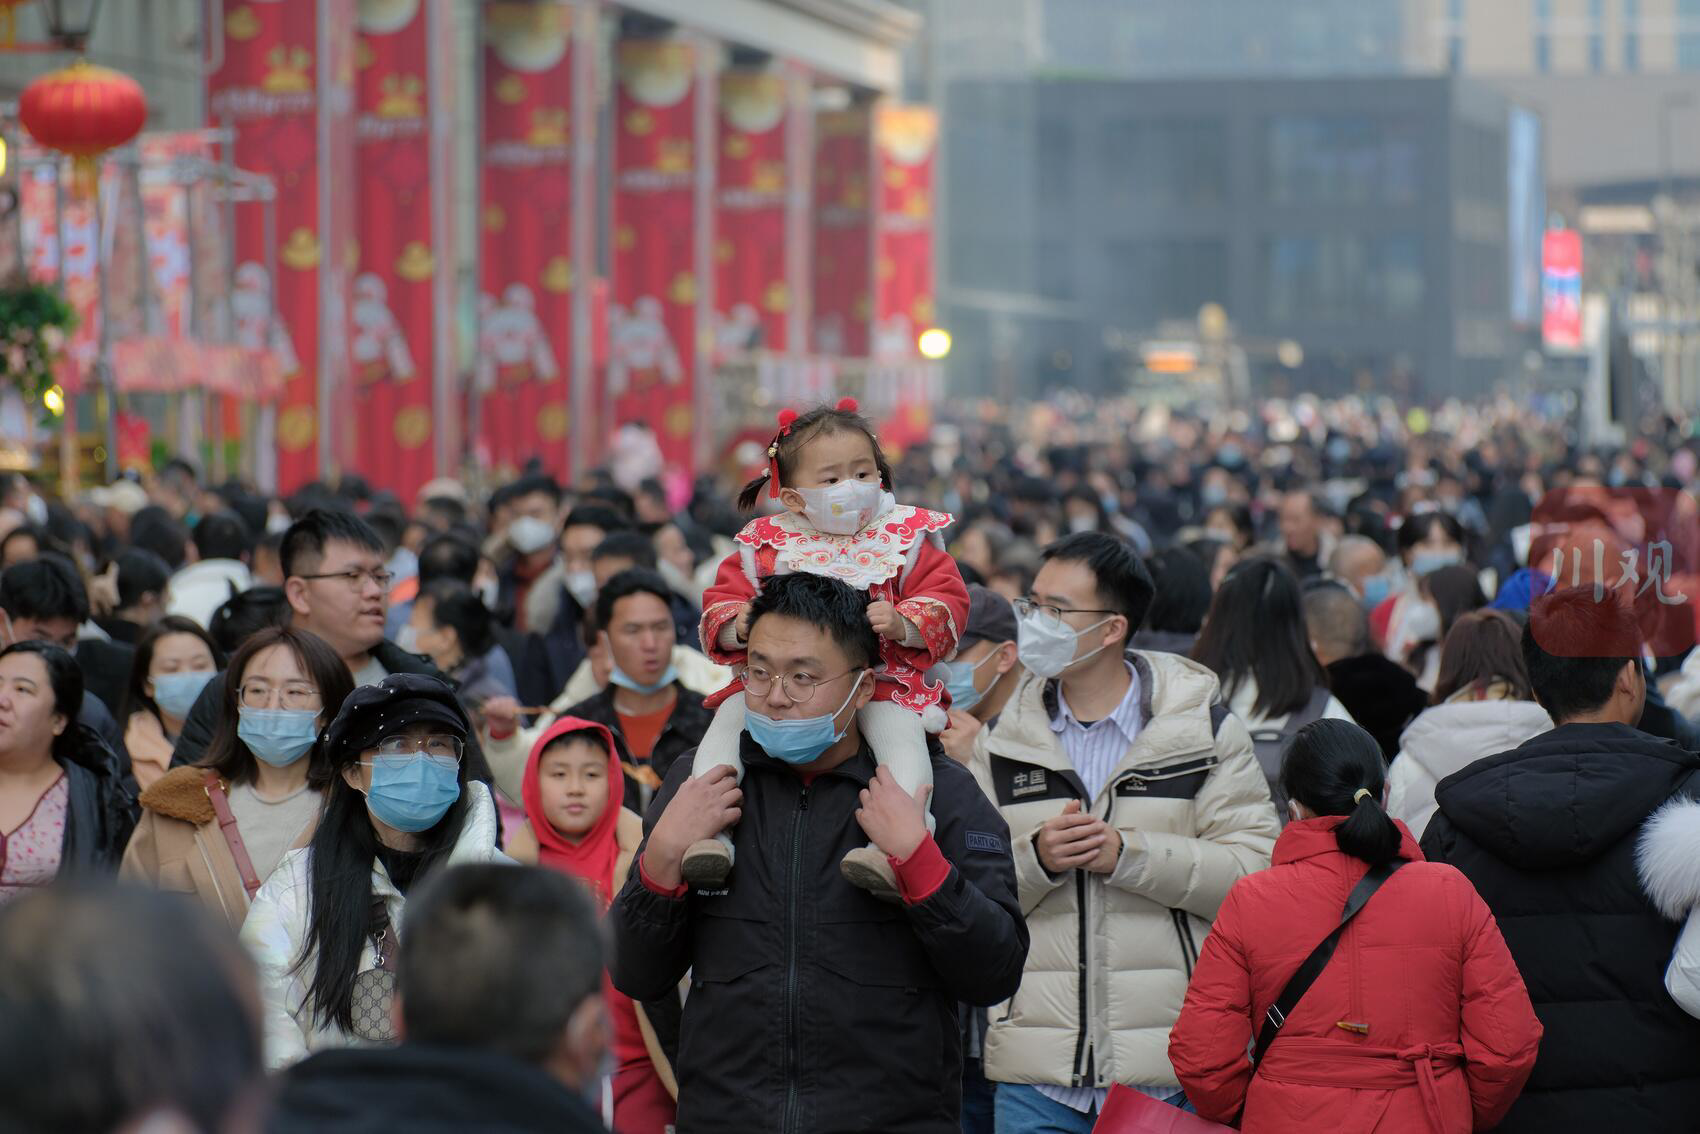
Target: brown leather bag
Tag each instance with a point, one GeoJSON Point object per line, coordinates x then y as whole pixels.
{"type": "Point", "coordinates": [232, 837]}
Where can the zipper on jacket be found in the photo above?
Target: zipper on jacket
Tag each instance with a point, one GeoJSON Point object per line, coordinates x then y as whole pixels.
{"type": "Point", "coordinates": [1184, 935]}
{"type": "Point", "coordinates": [791, 1023]}
{"type": "Point", "coordinates": [1082, 1048]}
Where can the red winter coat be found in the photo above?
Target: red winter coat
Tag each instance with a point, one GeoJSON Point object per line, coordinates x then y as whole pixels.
{"type": "Point", "coordinates": [1451, 1035]}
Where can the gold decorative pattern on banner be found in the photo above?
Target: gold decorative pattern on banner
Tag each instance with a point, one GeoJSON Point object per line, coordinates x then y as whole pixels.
{"type": "Point", "coordinates": [242, 25]}
{"type": "Point", "coordinates": [655, 72]}
{"type": "Point", "coordinates": [921, 312]}
{"type": "Point", "coordinates": [640, 123]}
{"type": "Point", "coordinates": [363, 56]}
{"type": "Point", "coordinates": [296, 428]}
{"type": "Point", "coordinates": [678, 422]}
{"type": "Point", "coordinates": [548, 128]}
{"type": "Point", "coordinates": [412, 427]}
{"type": "Point", "coordinates": [552, 422]}
{"type": "Point", "coordinates": [683, 289]}
{"type": "Point", "coordinates": [529, 36]}
{"type": "Point", "coordinates": [674, 155]}
{"type": "Point", "coordinates": [737, 146]}
{"type": "Point", "coordinates": [301, 250]}
{"type": "Point", "coordinates": [289, 70]}
{"type": "Point", "coordinates": [402, 97]}
{"type": "Point", "coordinates": [776, 298]}
{"type": "Point", "coordinates": [510, 90]}
{"type": "Point", "coordinates": [558, 275]}
{"type": "Point", "coordinates": [724, 251]}
{"type": "Point", "coordinates": [625, 238]}
{"type": "Point", "coordinates": [415, 264]}
{"type": "Point", "coordinates": [495, 218]}
{"type": "Point", "coordinates": [768, 177]}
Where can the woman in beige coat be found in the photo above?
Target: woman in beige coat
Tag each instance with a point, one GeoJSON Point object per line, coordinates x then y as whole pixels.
{"type": "Point", "coordinates": [216, 829]}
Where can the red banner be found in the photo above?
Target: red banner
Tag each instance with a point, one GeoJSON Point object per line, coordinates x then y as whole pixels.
{"type": "Point", "coordinates": [844, 232]}
{"type": "Point", "coordinates": [61, 247]}
{"type": "Point", "coordinates": [1561, 288]}
{"type": "Point", "coordinates": [285, 87]}
{"type": "Point", "coordinates": [526, 280]}
{"type": "Point", "coordinates": [905, 140]}
{"type": "Point", "coordinates": [751, 296]}
{"type": "Point", "coordinates": [651, 356]}
{"type": "Point", "coordinates": [395, 311]}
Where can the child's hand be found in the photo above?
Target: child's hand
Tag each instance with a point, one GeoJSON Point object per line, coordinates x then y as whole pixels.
{"type": "Point", "coordinates": [885, 620]}
{"type": "Point", "coordinates": [742, 626]}
{"type": "Point", "coordinates": [704, 806]}
{"type": "Point", "coordinates": [894, 820]}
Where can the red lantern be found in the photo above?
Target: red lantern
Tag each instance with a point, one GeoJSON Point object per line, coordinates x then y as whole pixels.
{"type": "Point", "coordinates": [83, 111]}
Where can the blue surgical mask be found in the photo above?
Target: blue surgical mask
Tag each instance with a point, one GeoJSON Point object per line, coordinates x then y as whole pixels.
{"type": "Point", "coordinates": [277, 736]}
{"type": "Point", "coordinates": [626, 681]}
{"type": "Point", "coordinates": [1424, 562]}
{"type": "Point", "coordinates": [1376, 590]}
{"type": "Point", "coordinates": [412, 793]}
{"type": "Point", "coordinates": [958, 678]}
{"type": "Point", "coordinates": [176, 693]}
{"type": "Point", "coordinates": [798, 741]}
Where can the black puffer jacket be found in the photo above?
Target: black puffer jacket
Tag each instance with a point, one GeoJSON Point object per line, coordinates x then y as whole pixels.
{"type": "Point", "coordinates": [101, 809]}
{"type": "Point", "coordinates": [813, 1006]}
{"type": "Point", "coordinates": [1547, 834]}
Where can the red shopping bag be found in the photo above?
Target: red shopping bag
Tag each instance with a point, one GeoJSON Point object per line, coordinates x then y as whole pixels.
{"type": "Point", "coordinates": [1126, 1111]}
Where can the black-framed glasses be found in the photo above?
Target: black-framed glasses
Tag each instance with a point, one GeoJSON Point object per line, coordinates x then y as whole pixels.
{"type": "Point", "coordinates": [356, 576]}
{"type": "Point", "coordinates": [1052, 616]}
{"type": "Point", "coordinates": [797, 687]}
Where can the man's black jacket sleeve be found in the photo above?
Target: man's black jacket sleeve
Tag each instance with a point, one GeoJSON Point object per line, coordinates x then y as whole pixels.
{"type": "Point", "coordinates": [652, 932]}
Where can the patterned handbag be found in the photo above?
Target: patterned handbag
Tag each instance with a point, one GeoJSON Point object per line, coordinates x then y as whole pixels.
{"type": "Point", "coordinates": [374, 989]}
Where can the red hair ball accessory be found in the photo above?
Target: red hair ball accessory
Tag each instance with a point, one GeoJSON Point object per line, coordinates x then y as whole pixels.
{"type": "Point", "coordinates": [786, 417]}
{"type": "Point", "coordinates": [848, 405]}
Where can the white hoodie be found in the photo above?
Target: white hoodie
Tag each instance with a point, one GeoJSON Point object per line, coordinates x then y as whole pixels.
{"type": "Point", "coordinates": [1444, 739]}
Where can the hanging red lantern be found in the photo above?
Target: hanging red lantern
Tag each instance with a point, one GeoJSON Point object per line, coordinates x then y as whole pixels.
{"type": "Point", "coordinates": [83, 111]}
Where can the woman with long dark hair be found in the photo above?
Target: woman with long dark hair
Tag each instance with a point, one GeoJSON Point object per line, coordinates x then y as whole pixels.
{"type": "Point", "coordinates": [1256, 640]}
{"type": "Point", "coordinates": [63, 809]}
{"type": "Point", "coordinates": [399, 806]}
{"type": "Point", "coordinates": [174, 660]}
{"type": "Point", "coordinates": [1417, 1022]}
{"type": "Point", "coordinates": [285, 686]}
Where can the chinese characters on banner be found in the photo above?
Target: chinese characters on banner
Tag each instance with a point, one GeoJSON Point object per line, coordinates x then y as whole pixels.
{"type": "Point", "coordinates": [844, 232]}
{"type": "Point", "coordinates": [752, 296]}
{"type": "Point", "coordinates": [1561, 289]}
{"type": "Point", "coordinates": [653, 316]}
{"type": "Point", "coordinates": [285, 86]}
{"type": "Point", "coordinates": [526, 263]}
{"type": "Point", "coordinates": [398, 303]}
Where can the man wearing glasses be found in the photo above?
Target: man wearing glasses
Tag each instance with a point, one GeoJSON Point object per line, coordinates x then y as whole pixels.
{"type": "Point", "coordinates": [1134, 801]}
{"type": "Point", "coordinates": [338, 588]}
{"type": "Point", "coordinates": [813, 1004]}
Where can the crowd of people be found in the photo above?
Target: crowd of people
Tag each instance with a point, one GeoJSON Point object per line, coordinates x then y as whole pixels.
{"type": "Point", "coordinates": [1041, 775]}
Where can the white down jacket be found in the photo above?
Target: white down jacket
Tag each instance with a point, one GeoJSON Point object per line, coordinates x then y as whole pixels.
{"type": "Point", "coordinates": [1111, 954]}
{"type": "Point", "coordinates": [1444, 739]}
{"type": "Point", "coordinates": [1668, 859]}
{"type": "Point", "coordinates": [276, 929]}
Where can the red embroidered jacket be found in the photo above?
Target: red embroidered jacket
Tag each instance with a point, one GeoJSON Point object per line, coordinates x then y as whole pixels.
{"type": "Point", "coordinates": [897, 558]}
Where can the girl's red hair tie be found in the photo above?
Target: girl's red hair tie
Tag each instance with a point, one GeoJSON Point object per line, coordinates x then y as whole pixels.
{"type": "Point", "coordinates": [787, 416]}
{"type": "Point", "coordinates": [848, 405]}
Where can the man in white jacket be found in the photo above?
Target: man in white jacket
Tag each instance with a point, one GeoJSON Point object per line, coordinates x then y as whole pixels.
{"type": "Point", "coordinates": [1134, 801]}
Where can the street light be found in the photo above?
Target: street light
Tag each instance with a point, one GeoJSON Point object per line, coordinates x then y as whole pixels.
{"type": "Point", "coordinates": [934, 343]}
{"type": "Point", "coordinates": [70, 22]}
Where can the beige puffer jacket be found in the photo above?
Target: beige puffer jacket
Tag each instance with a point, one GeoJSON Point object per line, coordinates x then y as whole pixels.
{"type": "Point", "coordinates": [1195, 816]}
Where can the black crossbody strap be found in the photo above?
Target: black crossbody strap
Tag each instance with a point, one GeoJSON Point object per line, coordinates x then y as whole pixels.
{"type": "Point", "coordinates": [1318, 959]}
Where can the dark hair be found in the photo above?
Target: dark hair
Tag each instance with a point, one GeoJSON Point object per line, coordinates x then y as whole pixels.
{"type": "Point", "coordinates": [1416, 528]}
{"type": "Point", "coordinates": [611, 496]}
{"type": "Point", "coordinates": [65, 678]}
{"type": "Point", "coordinates": [446, 509]}
{"type": "Point", "coordinates": [826, 604]}
{"type": "Point", "coordinates": [1329, 762]}
{"type": "Point", "coordinates": [223, 535]}
{"type": "Point", "coordinates": [245, 614]}
{"type": "Point", "coordinates": [135, 694]}
{"type": "Point", "coordinates": [1208, 549]}
{"type": "Point", "coordinates": [116, 1001]}
{"type": "Point", "coordinates": [181, 474]}
{"type": "Point", "coordinates": [43, 542]}
{"type": "Point", "coordinates": [447, 557]}
{"type": "Point", "coordinates": [305, 542]}
{"type": "Point", "coordinates": [48, 587]}
{"type": "Point", "coordinates": [626, 544]}
{"type": "Point", "coordinates": [498, 958]}
{"type": "Point", "coordinates": [226, 753]}
{"type": "Point", "coordinates": [1240, 516]}
{"type": "Point", "coordinates": [342, 916]}
{"type": "Point", "coordinates": [1122, 582]}
{"type": "Point", "coordinates": [1256, 629]}
{"type": "Point", "coordinates": [1182, 596]}
{"type": "Point", "coordinates": [388, 523]}
{"type": "Point", "coordinates": [140, 573]}
{"type": "Point", "coordinates": [1570, 682]}
{"type": "Point", "coordinates": [1482, 647]}
{"type": "Point", "coordinates": [532, 485]}
{"type": "Point", "coordinates": [455, 604]}
{"type": "Point", "coordinates": [822, 421]}
{"type": "Point", "coordinates": [1456, 591]}
{"type": "Point", "coordinates": [156, 530]}
{"type": "Point", "coordinates": [597, 516]}
{"type": "Point", "coordinates": [631, 581]}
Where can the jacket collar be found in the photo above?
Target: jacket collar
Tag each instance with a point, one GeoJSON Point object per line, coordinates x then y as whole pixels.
{"type": "Point", "coordinates": [1126, 716]}
{"type": "Point", "coordinates": [475, 843]}
{"type": "Point", "coordinates": [1313, 838]}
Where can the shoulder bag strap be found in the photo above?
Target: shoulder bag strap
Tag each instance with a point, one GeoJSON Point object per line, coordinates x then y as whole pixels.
{"type": "Point", "coordinates": [1313, 965]}
{"type": "Point", "coordinates": [232, 837]}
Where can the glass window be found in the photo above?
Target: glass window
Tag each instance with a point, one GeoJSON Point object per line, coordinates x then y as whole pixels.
{"type": "Point", "coordinates": [1631, 35]}
{"type": "Point", "coordinates": [1455, 34]}
{"type": "Point", "coordinates": [1336, 277]}
{"type": "Point", "coordinates": [1342, 159]}
{"type": "Point", "coordinates": [1151, 280]}
{"type": "Point", "coordinates": [1543, 35]}
{"type": "Point", "coordinates": [1688, 35]}
{"type": "Point", "coordinates": [1165, 163]}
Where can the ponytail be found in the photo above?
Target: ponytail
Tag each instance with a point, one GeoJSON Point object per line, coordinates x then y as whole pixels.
{"type": "Point", "coordinates": [1335, 768]}
{"type": "Point", "coordinates": [751, 495]}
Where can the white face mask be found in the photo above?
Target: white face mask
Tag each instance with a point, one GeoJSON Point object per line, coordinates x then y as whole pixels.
{"type": "Point", "coordinates": [489, 591]}
{"type": "Point", "coordinates": [1422, 624]}
{"type": "Point", "coordinates": [844, 508]}
{"type": "Point", "coordinates": [1048, 649]}
{"type": "Point", "coordinates": [582, 586]}
{"type": "Point", "coordinates": [528, 534]}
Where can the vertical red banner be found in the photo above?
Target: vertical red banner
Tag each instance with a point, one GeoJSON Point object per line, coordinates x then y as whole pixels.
{"type": "Point", "coordinates": [905, 140]}
{"type": "Point", "coordinates": [526, 264]}
{"type": "Point", "coordinates": [752, 296]}
{"type": "Point", "coordinates": [1561, 289]}
{"type": "Point", "coordinates": [653, 316]}
{"type": "Point", "coordinates": [395, 312]}
{"type": "Point", "coordinates": [844, 232]}
{"type": "Point", "coordinates": [284, 86]}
